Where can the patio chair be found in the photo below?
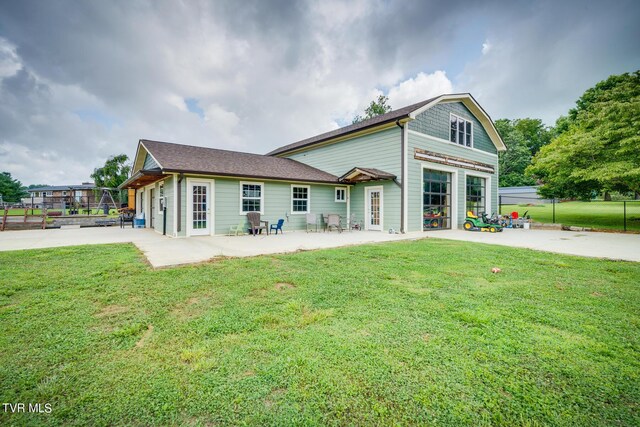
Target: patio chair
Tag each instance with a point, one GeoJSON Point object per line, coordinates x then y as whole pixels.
{"type": "Point", "coordinates": [312, 221]}
{"type": "Point", "coordinates": [277, 226]}
{"type": "Point", "coordinates": [256, 225]}
{"type": "Point", "coordinates": [333, 220]}
{"type": "Point", "coordinates": [354, 224]}
{"type": "Point", "coordinates": [127, 216]}
{"type": "Point", "coordinates": [234, 230]}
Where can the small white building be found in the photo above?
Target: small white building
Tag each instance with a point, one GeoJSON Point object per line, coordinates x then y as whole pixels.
{"type": "Point", "coordinates": [525, 195]}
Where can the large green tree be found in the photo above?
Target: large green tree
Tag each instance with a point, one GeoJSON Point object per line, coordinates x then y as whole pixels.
{"type": "Point", "coordinates": [114, 172]}
{"type": "Point", "coordinates": [377, 107]}
{"type": "Point", "coordinates": [11, 189]}
{"type": "Point", "coordinates": [523, 138]}
{"type": "Point", "coordinates": [599, 150]}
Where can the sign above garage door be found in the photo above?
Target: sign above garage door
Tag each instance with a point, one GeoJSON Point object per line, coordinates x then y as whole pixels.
{"type": "Point", "coordinates": [430, 156]}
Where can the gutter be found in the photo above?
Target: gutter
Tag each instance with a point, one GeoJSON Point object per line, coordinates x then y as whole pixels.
{"type": "Point", "coordinates": [270, 178]}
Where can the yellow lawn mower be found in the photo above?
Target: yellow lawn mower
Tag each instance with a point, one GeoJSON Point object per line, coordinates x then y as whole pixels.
{"type": "Point", "coordinates": [473, 223]}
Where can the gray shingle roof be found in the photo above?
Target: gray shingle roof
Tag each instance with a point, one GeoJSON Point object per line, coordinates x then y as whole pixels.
{"type": "Point", "coordinates": [63, 187]}
{"type": "Point", "coordinates": [372, 173]}
{"type": "Point", "coordinates": [378, 120]}
{"type": "Point", "coordinates": [187, 158]}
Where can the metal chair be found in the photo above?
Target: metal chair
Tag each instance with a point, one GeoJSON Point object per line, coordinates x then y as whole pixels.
{"type": "Point", "coordinates": [333, 220]}
{"type": "Point", "coordinates": [354, 224]}
{"type": "Point", "coordinates": [127, 216]}
{"type": "Point", "coordinates": [312, 221]}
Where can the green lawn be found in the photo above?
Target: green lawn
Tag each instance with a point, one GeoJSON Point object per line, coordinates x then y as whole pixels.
{"type": "Point", "coordinates": [599, 215]}
{"type": "Point", "coordinates": [407, 333]}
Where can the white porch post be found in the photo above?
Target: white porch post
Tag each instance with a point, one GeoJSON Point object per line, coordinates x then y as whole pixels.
{"type": "Point", "coordinates": [349, 207]}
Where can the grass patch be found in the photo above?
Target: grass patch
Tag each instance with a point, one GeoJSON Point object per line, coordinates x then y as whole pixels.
{"type": "Point", "coordinates": [400, 333]}
{"type": "Point", "coordinates": [598, 215]}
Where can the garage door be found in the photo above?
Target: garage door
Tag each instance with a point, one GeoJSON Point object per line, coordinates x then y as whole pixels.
{"type": "Point", "coordinates": [436, 199]}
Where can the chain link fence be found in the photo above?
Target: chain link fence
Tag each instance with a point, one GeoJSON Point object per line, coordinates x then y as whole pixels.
{"type": "Point", "coordinates": [621, 215]}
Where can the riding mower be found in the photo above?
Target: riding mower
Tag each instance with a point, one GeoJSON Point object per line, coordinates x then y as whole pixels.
{"type": "Point", "coordinates": [473, 223]}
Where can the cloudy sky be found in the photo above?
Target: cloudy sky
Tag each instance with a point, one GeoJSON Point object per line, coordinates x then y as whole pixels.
{"type": "Point", "coordinates": [82, 80]}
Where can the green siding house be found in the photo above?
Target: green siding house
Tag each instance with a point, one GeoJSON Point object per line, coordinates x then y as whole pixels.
{"type": "Point", "coordinates": [418, 168]}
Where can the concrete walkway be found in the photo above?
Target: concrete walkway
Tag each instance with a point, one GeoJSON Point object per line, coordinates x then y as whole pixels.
{"type": "Point", "coordinates": [164, 251]}
{"type": "Point", "coordinates": [590, 244]}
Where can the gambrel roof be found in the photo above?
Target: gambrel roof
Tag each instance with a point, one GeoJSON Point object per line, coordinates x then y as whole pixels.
{"type": "Point", "coordinates": [401, 115]}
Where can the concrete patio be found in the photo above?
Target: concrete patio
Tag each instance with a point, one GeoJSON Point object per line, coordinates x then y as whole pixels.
{"type": "Point", "coordinates": [162, 251]}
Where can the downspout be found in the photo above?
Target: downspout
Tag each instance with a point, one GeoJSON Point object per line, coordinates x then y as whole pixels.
{"type": "Point", "coordinates": [402, 183]}
{"type": "Point", "coordinates": [179, 202]}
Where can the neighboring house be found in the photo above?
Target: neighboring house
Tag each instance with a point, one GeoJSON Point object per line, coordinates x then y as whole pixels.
{"type": "Point", "coordinates": [525, 195]}
{"type": "Point", "coordinates": [416, 168]}
{"type": "Point", "coordinates": [53, 196]}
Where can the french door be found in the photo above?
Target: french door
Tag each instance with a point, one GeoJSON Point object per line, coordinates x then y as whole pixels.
{"type": "Point", "coordinates": [199, 206]}
{"type": "Point", "coordinates": [373, 206]}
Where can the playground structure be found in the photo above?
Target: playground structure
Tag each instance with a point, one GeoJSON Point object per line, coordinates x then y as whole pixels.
{"type": "Point", "coordinates": [72, 210]}
{"type": "Point", "coordinates": [72, 204]}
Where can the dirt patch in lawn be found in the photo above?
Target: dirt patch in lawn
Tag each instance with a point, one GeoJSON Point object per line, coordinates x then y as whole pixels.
{"type": "Point", "coordinates": [192, 306]}
{"type": "Point", "coordinates": [111, 310]}
{"type": "Point", "coordinates": [283, 286]}
{"type": "Point", "coordinates": [274, 396]}
{"type": "Point", "coordinates": [145, 337]}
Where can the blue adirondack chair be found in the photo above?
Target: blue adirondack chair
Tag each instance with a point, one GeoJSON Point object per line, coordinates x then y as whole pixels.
{"type": "Point", "coordinates": [277, 226]}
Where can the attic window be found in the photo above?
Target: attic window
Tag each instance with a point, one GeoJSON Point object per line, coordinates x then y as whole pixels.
{"type": "Point", "coordinates": [461, 131]}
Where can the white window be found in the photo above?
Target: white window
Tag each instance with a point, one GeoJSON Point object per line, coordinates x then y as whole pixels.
{"type": "Point", "coordinates": [461, 131]}
{"type": "Point", "coordinates": [49, 193]}
{"type": "Point", "coordinates": [341, 194]}
{"type": "Point", "coordinates": [161, 198]}
{"type": "Point", "coordinates": [64, 193]}
{"type": "Point", "coordinates": [251, 197]}
{"type": "Point", "coordinates": [300, 199]}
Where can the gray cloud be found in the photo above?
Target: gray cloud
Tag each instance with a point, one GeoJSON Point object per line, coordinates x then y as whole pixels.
{"type": "Point", "coordinates": [80, 81]}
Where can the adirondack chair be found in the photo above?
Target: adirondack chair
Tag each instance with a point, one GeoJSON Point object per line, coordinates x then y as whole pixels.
{"type": "Point", "coordinates": [234, 230]}
{"type": "Point", "coordinates": [277, 226]}
{"type": "Point", "coordinates": [256, 225]}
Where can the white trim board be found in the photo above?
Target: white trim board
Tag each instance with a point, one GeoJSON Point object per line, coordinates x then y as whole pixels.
{"type": "Point", "coordinates": [149, 153]}
{"type": "Point", "coordinates": [444, 141]}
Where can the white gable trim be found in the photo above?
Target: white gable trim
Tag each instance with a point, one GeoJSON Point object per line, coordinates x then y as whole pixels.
{"type": "Point", "coordinates": [475, 109]}
{"type": "Point", "coordinates": [149, 153]}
